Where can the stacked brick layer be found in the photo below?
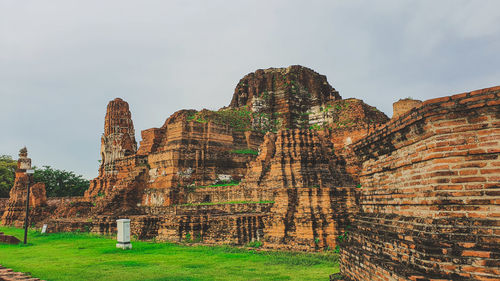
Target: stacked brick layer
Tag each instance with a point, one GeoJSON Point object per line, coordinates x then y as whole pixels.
{"type": "Point", "coordinates": [194, 153]}
{"type": "Point", "coordinates": [430, 196]}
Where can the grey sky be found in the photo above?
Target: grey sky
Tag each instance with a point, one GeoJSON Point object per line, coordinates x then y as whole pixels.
{"type": "Point", "coordinates": [62, 61]}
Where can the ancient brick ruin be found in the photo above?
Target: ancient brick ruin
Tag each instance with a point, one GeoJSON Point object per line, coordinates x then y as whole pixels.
{"type": "Point", "coordinates": [293, 165]}
{"type": "Point", "coordinates": [15, 208]}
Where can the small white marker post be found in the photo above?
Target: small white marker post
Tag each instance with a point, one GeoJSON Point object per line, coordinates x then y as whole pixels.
{"type": "Point", "coordinates": [44, 229]}
{"type": "Point", "coordinates": [123, 236]}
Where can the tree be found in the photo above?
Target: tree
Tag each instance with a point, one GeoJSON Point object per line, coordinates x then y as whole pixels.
{"type": "Point", "coordinates": [7, 174]}
{"type": "Point", "coordinates": [59, 183]}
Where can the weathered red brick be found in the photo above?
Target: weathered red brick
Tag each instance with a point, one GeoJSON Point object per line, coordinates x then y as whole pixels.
{"type": "Point", "coordinates": [481, 254]}
{"type": "Point", "coordinates": [490, 171]}
{"type": "Point", "coordinates": [468, 179]}
{"type": "Point", "coordinates": [493, 102]}
{"type": "Point", "coordinates": [477, 98]}
{"type": "Point", "coordinates": [459, 96]}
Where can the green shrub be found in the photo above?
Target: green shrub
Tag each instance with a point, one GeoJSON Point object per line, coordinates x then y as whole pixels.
{"type": "Point", "coordinates": [245, 151]}
{"type": "Point", "coordinates": [315, 127]}
{"type": "Point", "coordinates": [254, 244]}
{"type": "Point", "coordinates": [231, 183]}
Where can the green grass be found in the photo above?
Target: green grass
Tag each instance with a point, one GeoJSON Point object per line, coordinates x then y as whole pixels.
{"type": "Point", "coordinates": [72, 256]}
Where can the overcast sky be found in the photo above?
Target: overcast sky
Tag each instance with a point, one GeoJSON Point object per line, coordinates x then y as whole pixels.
{"type": "Point", "coordinates": [62, 61]}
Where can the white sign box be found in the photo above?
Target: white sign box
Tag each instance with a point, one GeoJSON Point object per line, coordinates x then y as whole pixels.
{"type": "Point", "coordinates": [123, 235]}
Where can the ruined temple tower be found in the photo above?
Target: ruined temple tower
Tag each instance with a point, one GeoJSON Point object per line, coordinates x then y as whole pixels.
{"type": "Point", "coordinates": [118, 146]}
{"type": "Point", "coordinates": [14, 212]}
{"type": "Point", "coordinates": [118, 139]}
{"type": "Point", "coordinates": [282, 96]}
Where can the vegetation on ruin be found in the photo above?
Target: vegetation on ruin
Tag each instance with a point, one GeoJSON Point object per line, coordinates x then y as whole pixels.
{"type": "Point", "coordinates": [79, 256]}
{"type": "Point", "coordinates": [254, 244]}
{"type": "Point", "coordinates": [342, 114]}
{"type": "Point", "coordinates": [189, 239]}
{"type": "Point", "coordinates": [316, 127]}
{"type": "Point", "coordinates": [245, 151]}
{"type": "Point", "coordinates": [224, 183]}
{"type": "Point", "coordinates": [239, 119]}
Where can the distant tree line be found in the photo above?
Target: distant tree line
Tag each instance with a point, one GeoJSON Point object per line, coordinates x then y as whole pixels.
{"type": "Point", "coordinates": [7, 174]}
{"type": "Point", "coordinates": [58, 183]}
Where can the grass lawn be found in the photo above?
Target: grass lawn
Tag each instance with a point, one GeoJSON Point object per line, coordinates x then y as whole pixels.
{"type": "Point", "coordinates": [75, 256]}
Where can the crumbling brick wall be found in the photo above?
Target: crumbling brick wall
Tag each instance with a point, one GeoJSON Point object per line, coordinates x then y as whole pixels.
{"type": "Point", "coordinates": [224, 224]}
{"type": "Point", "coordinates": [430, 195]}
